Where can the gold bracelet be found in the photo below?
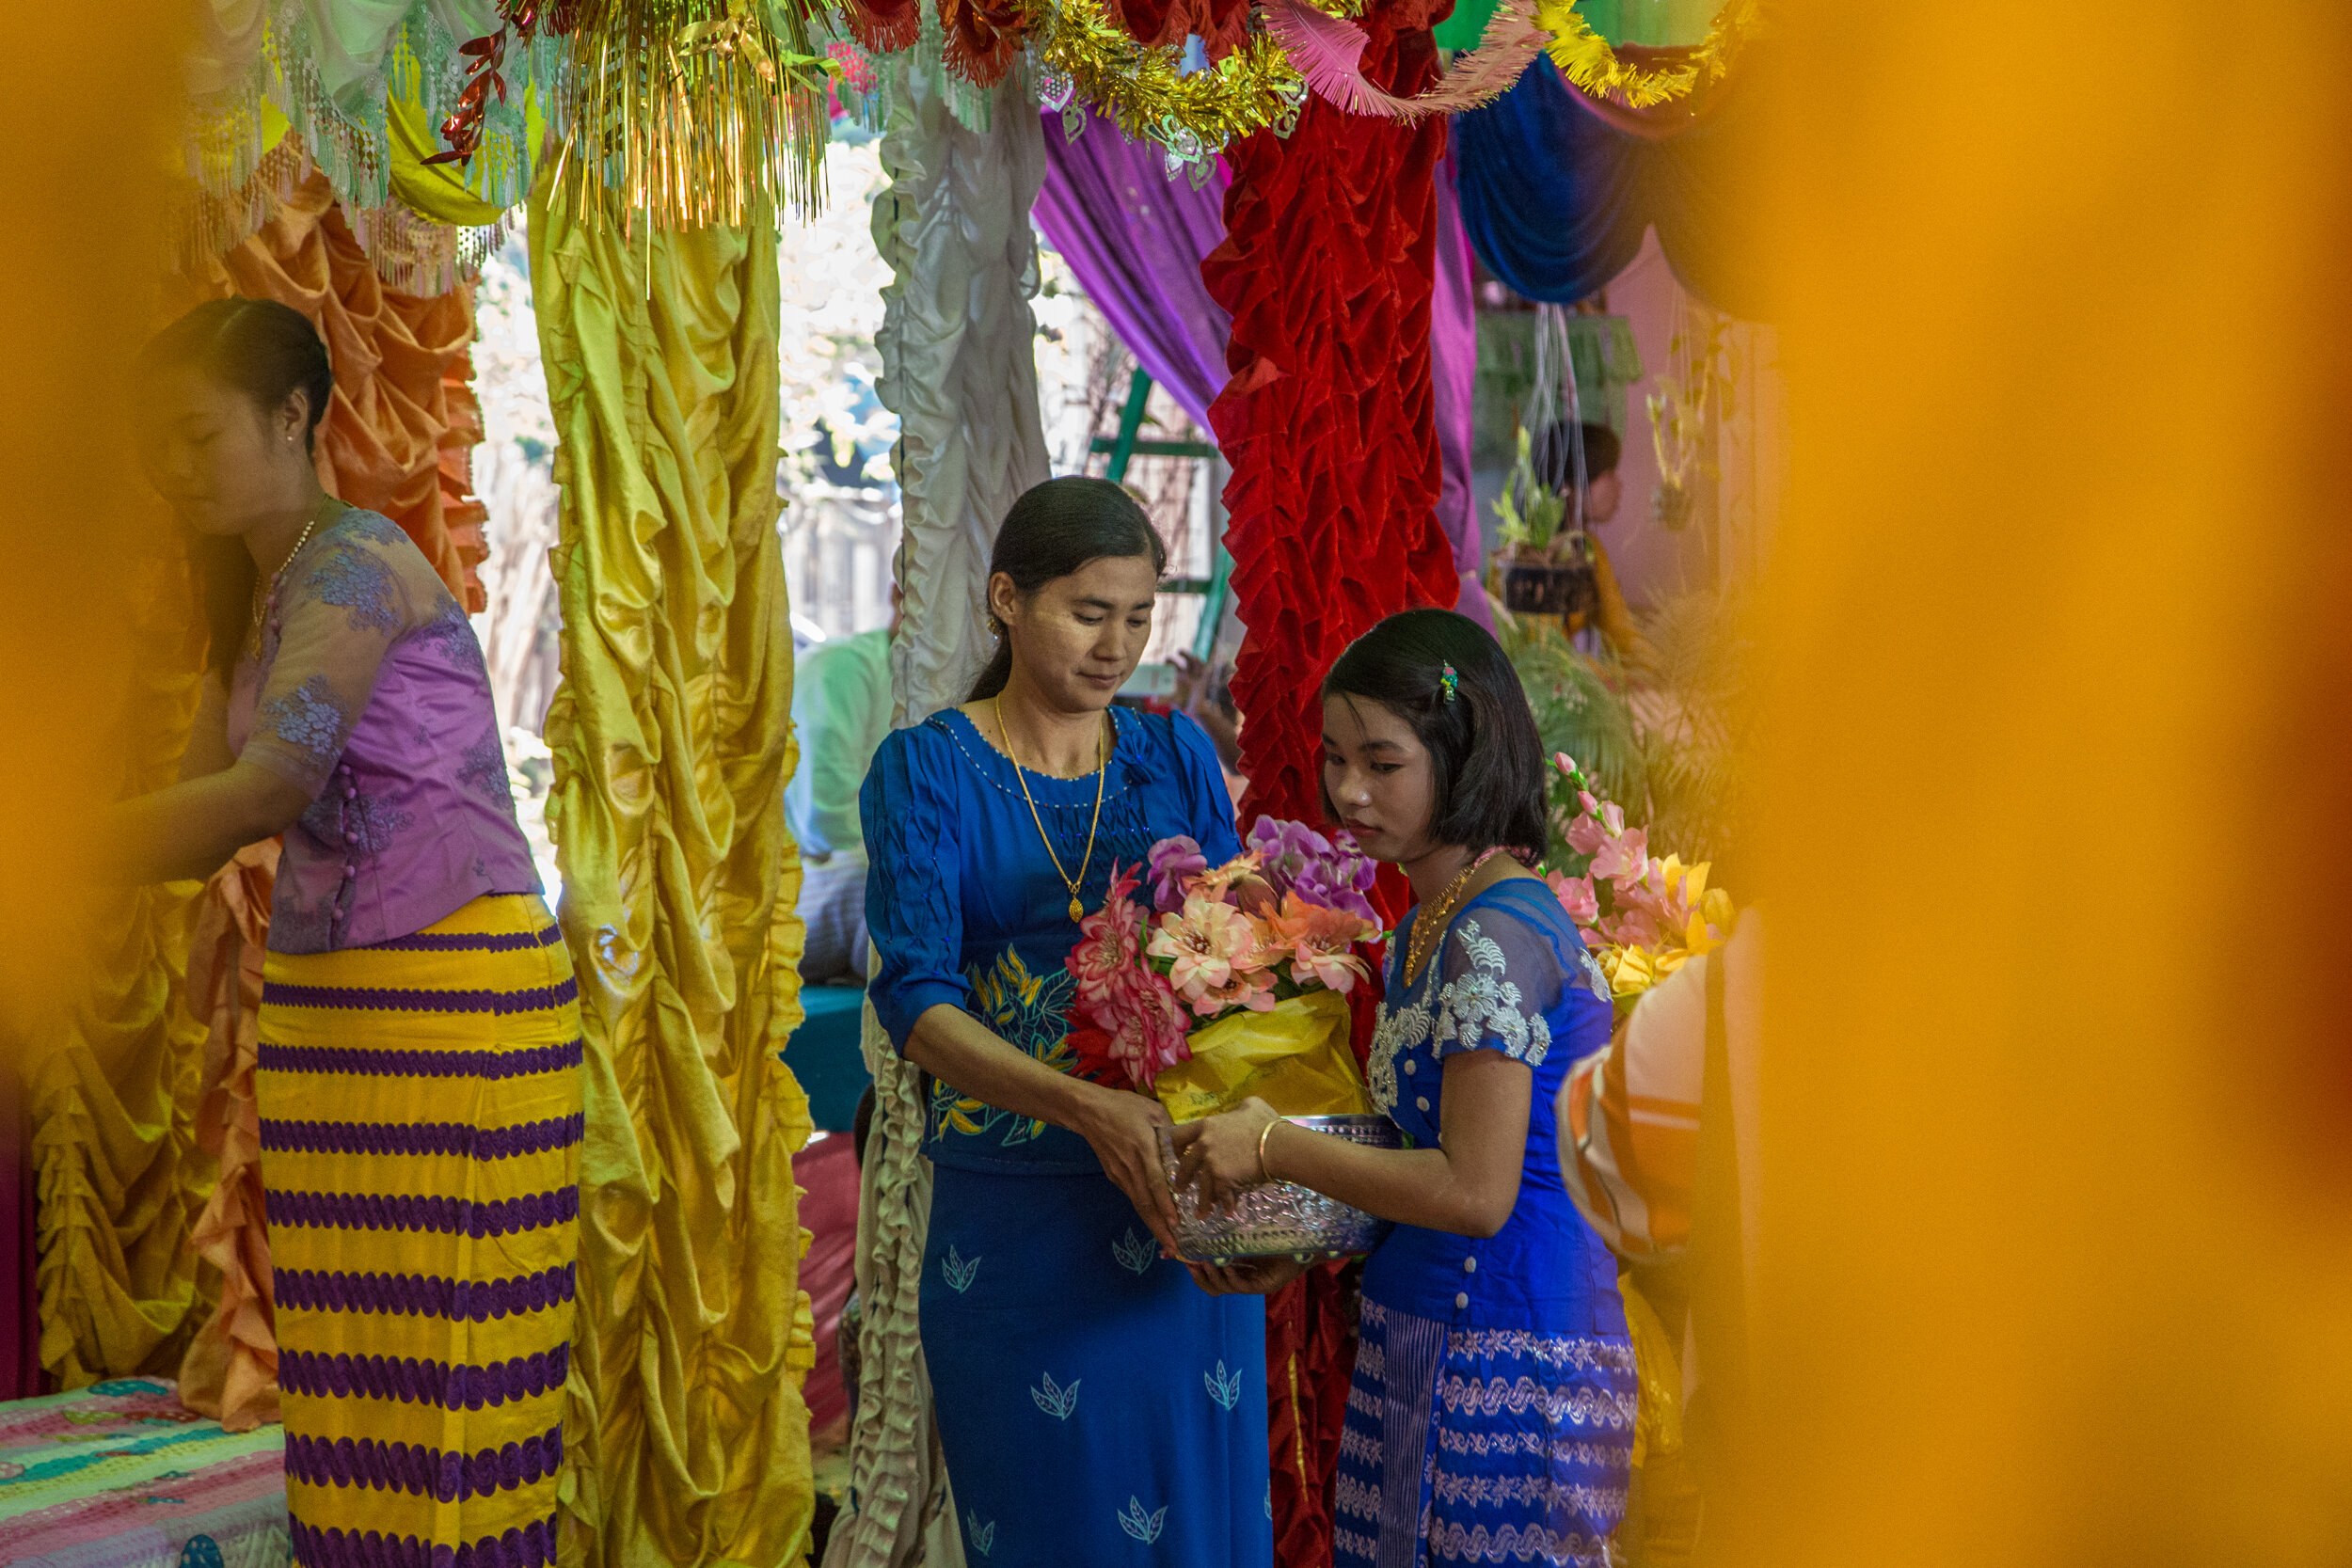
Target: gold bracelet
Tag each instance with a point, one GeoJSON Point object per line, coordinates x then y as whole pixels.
{"type": "Point", "coordinates": [1263, 1134]}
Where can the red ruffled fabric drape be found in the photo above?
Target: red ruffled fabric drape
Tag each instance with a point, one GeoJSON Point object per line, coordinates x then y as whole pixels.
{"type": "Point", "coordinates": [1164, 24]}
{"type": "Point", "coordinates": [1328, 268]}
{"type": "Point", "coordinates": [983, 39]}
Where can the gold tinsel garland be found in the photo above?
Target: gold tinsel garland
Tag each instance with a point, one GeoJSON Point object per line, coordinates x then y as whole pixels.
{"type": "Point", "coordinates": [1586, 59]}
{"type": "Point", "coordinates": [1142, 89]}
{"type": "Point", "coordinates": [693, 112]}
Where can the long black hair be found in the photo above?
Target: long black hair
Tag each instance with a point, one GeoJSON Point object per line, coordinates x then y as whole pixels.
{"type": "Point", "coordinates": [268, 352]}
{"type": "Point", "coordinates": [1484, 754]}
{"type": "Point", "coordinates": [1053, 530]}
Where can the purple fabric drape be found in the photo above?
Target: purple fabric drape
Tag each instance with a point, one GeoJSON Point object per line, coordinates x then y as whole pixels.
{"type": "Point", "coordinates": [1135, 239]}
{"type": "Point", "coordinates": [1453, 369]}
{"type": "Point", "coordinates": [20, 1315]}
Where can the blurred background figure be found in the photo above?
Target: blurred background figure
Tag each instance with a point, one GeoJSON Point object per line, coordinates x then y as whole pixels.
{"type": "Point", "coordinates": [1602, 606]}
{"type": "Point", "coordinates": [1659, 1148]}
{"type": "Point", "coordinates": [841, 711]}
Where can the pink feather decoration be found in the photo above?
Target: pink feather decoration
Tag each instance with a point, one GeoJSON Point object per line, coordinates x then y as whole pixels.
{"type": "Point", "coordinates": [1329, 53]}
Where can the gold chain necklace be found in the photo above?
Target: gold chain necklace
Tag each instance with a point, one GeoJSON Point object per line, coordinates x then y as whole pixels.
{"type": "Point", "coordinates": [1102, 771]}
{"type": "Point", "coordinates": [1427, 930]}
{"type": "Point", "coordinates": [263, 592]}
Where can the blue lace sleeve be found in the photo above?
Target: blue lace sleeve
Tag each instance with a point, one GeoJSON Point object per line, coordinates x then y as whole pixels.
{"type": "Point", "coordinates": [340, 606]}
{"type": "Point", "coordinates": [1502, 982]}
{"type": "Point", "coordinates": [914, 908]}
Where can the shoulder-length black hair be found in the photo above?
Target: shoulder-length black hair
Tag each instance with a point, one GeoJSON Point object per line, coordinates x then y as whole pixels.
{"type": "Point", "coordinates": [1055, 528]}
{"type": "Point", "coordinates": [267, 351]}
{"type": "Point", "coordinates": [1483, 752]}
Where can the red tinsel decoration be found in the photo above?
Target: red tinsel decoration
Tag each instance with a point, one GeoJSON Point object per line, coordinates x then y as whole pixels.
{"type": "Point", "coordinates": [1327, 267]}
{"type": "Point", "coordinates": [885, 26]}
{"type": "Point", "coordinates": [983, 39]}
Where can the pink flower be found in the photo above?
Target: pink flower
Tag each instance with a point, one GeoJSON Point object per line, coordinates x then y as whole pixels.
{"type": "Point", "coordinates": [1250, 988]}
{"type": "Point", "coordinates": [1109, 939]}
{"type": "Point", "coordinates": [1623, 857]}
{"type": "Point", "coordinates": [1578, 897]}
{"type": "Point", "coordinates": [1147, 1027]}
{"type": "Point", "coordinates": [1209, 946]}
{"type": "Point", "coordinates": [1130, 1003]}
{"type": "Point", "coordinates": [1217, 885]}
{"type": "Point", "coordinates": [1633, 928]}
{"type": "Point", "coordinates": [1598, 823]}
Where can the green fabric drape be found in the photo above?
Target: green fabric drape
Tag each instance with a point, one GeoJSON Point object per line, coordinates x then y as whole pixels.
{"type": "Point", "coordinates": [671, 736]}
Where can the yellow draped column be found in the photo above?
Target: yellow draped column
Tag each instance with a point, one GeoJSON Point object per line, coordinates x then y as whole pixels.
{"type": "Point", "coordinates": [672, 735]}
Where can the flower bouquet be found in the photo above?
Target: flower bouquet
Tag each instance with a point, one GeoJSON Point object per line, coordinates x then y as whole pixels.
{"type": "Point", "coordinates": [1228, 981]}
{"type": "Point", "coordinates": [1642, 917]}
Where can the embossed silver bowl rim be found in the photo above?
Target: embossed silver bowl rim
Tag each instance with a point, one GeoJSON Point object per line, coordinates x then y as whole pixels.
{"type": "Point", "coordinates": [1277, 1219]}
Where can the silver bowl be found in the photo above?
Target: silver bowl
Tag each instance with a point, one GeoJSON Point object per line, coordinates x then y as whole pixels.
{"type": "Point", "coordinates": [1274, 1219]}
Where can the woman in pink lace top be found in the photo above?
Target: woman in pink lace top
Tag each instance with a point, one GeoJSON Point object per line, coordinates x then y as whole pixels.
{"type": "Point", "coordinates": [419, 1042]}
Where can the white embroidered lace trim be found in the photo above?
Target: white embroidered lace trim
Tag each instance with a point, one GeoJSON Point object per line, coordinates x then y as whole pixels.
{"type": "Point", "coordinates": [1477, 1005]}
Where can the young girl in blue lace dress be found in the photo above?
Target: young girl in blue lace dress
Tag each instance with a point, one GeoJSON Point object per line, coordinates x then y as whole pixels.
{"type": "Point", "coordinates": [1491, 1417]}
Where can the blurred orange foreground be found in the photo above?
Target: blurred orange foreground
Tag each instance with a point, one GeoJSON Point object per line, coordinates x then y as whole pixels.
{"type": "Point", "coordinates": [2057, 1191]}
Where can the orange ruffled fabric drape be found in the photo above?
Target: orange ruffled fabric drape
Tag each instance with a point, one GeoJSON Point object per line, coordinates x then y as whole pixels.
{"type": "Point", "coordinates": [230, 1371]}
{"type": "Point", "coordinates": [113, 1073]}
{"type": "Point", "coordinates": [399, 435]}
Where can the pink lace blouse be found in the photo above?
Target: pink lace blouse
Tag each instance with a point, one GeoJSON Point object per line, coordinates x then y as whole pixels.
{"type": "Point", "coordinates": [370, 693]}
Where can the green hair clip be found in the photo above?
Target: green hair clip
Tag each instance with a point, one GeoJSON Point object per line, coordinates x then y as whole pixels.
{"type": "Point", "coordinates": [1448, 679]}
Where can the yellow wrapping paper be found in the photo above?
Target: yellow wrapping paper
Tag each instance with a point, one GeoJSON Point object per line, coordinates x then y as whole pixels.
{"type": "Point", "coordinates": [671, 737]}
{"type": "Point", "coordinates": [1295, 1058]}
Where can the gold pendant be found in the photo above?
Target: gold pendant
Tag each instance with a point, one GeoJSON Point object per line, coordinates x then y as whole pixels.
{"type": "Point", "coordinates": [1077, 911]}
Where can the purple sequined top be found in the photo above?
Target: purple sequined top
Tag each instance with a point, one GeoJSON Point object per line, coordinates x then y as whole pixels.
{"type": "Point", "coordinates": [368, 691]}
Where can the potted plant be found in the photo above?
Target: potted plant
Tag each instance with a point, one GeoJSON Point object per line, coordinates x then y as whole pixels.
{"type": "Point", "coordinates": [1547, 563]}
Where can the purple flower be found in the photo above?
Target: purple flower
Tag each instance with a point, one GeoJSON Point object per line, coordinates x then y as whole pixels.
{"type": "Point", "coordinates": [1172, 863]}
{"type": "Point", "coordinates": [1284, 850]}
{"type": "Point", "coordinates": [1300, 859]}
{"type": "Point", "coordinates": [1341, 882]}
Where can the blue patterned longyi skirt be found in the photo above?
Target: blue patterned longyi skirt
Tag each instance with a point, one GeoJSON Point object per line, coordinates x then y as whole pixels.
{"type": "Point", "coordinates": [1095, 1406]}
{"type": "Point", "coordinates": [1482, 1445]}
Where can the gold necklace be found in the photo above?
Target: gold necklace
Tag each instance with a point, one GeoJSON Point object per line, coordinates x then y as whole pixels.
{"type": "Point", "coordinates": [1427, 930]}
{"type": "Point", "coordinates": [1102, 771]}
{"type": "Point", "coordinates": [261, 598]}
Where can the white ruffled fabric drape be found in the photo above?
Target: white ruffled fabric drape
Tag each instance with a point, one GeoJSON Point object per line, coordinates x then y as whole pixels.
{"type": "Point", "coordinates": [958, 371]}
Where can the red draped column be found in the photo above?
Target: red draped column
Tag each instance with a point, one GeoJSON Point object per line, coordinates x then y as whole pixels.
{"type": "Point", "coordinates": [1328, 268]}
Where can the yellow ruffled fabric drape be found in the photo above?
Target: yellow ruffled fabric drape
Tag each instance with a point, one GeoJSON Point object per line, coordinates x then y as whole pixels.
{"type": "Point", "coordinates": [112, 1076]}
{"type": "Point", "coordinates": [671, 736]}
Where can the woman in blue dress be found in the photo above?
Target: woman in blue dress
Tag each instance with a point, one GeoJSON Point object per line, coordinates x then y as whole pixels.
{"type": "Point", "coordinates": [1491, 1417]}
{"type": "Point", "coordinates": [1095, 1406]}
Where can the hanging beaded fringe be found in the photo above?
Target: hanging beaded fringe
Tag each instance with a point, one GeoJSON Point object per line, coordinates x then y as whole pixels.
{"type": "Point", "coordinates": [692, 113]}
{"type": "Point", "coordinates": [207, 225]}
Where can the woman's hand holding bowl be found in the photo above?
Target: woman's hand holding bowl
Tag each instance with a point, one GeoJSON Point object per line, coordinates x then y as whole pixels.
{"type": "Point", "coordinates": [1123, 1128]}
{"type": "Point", "coordinates": [1221, 1154]}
